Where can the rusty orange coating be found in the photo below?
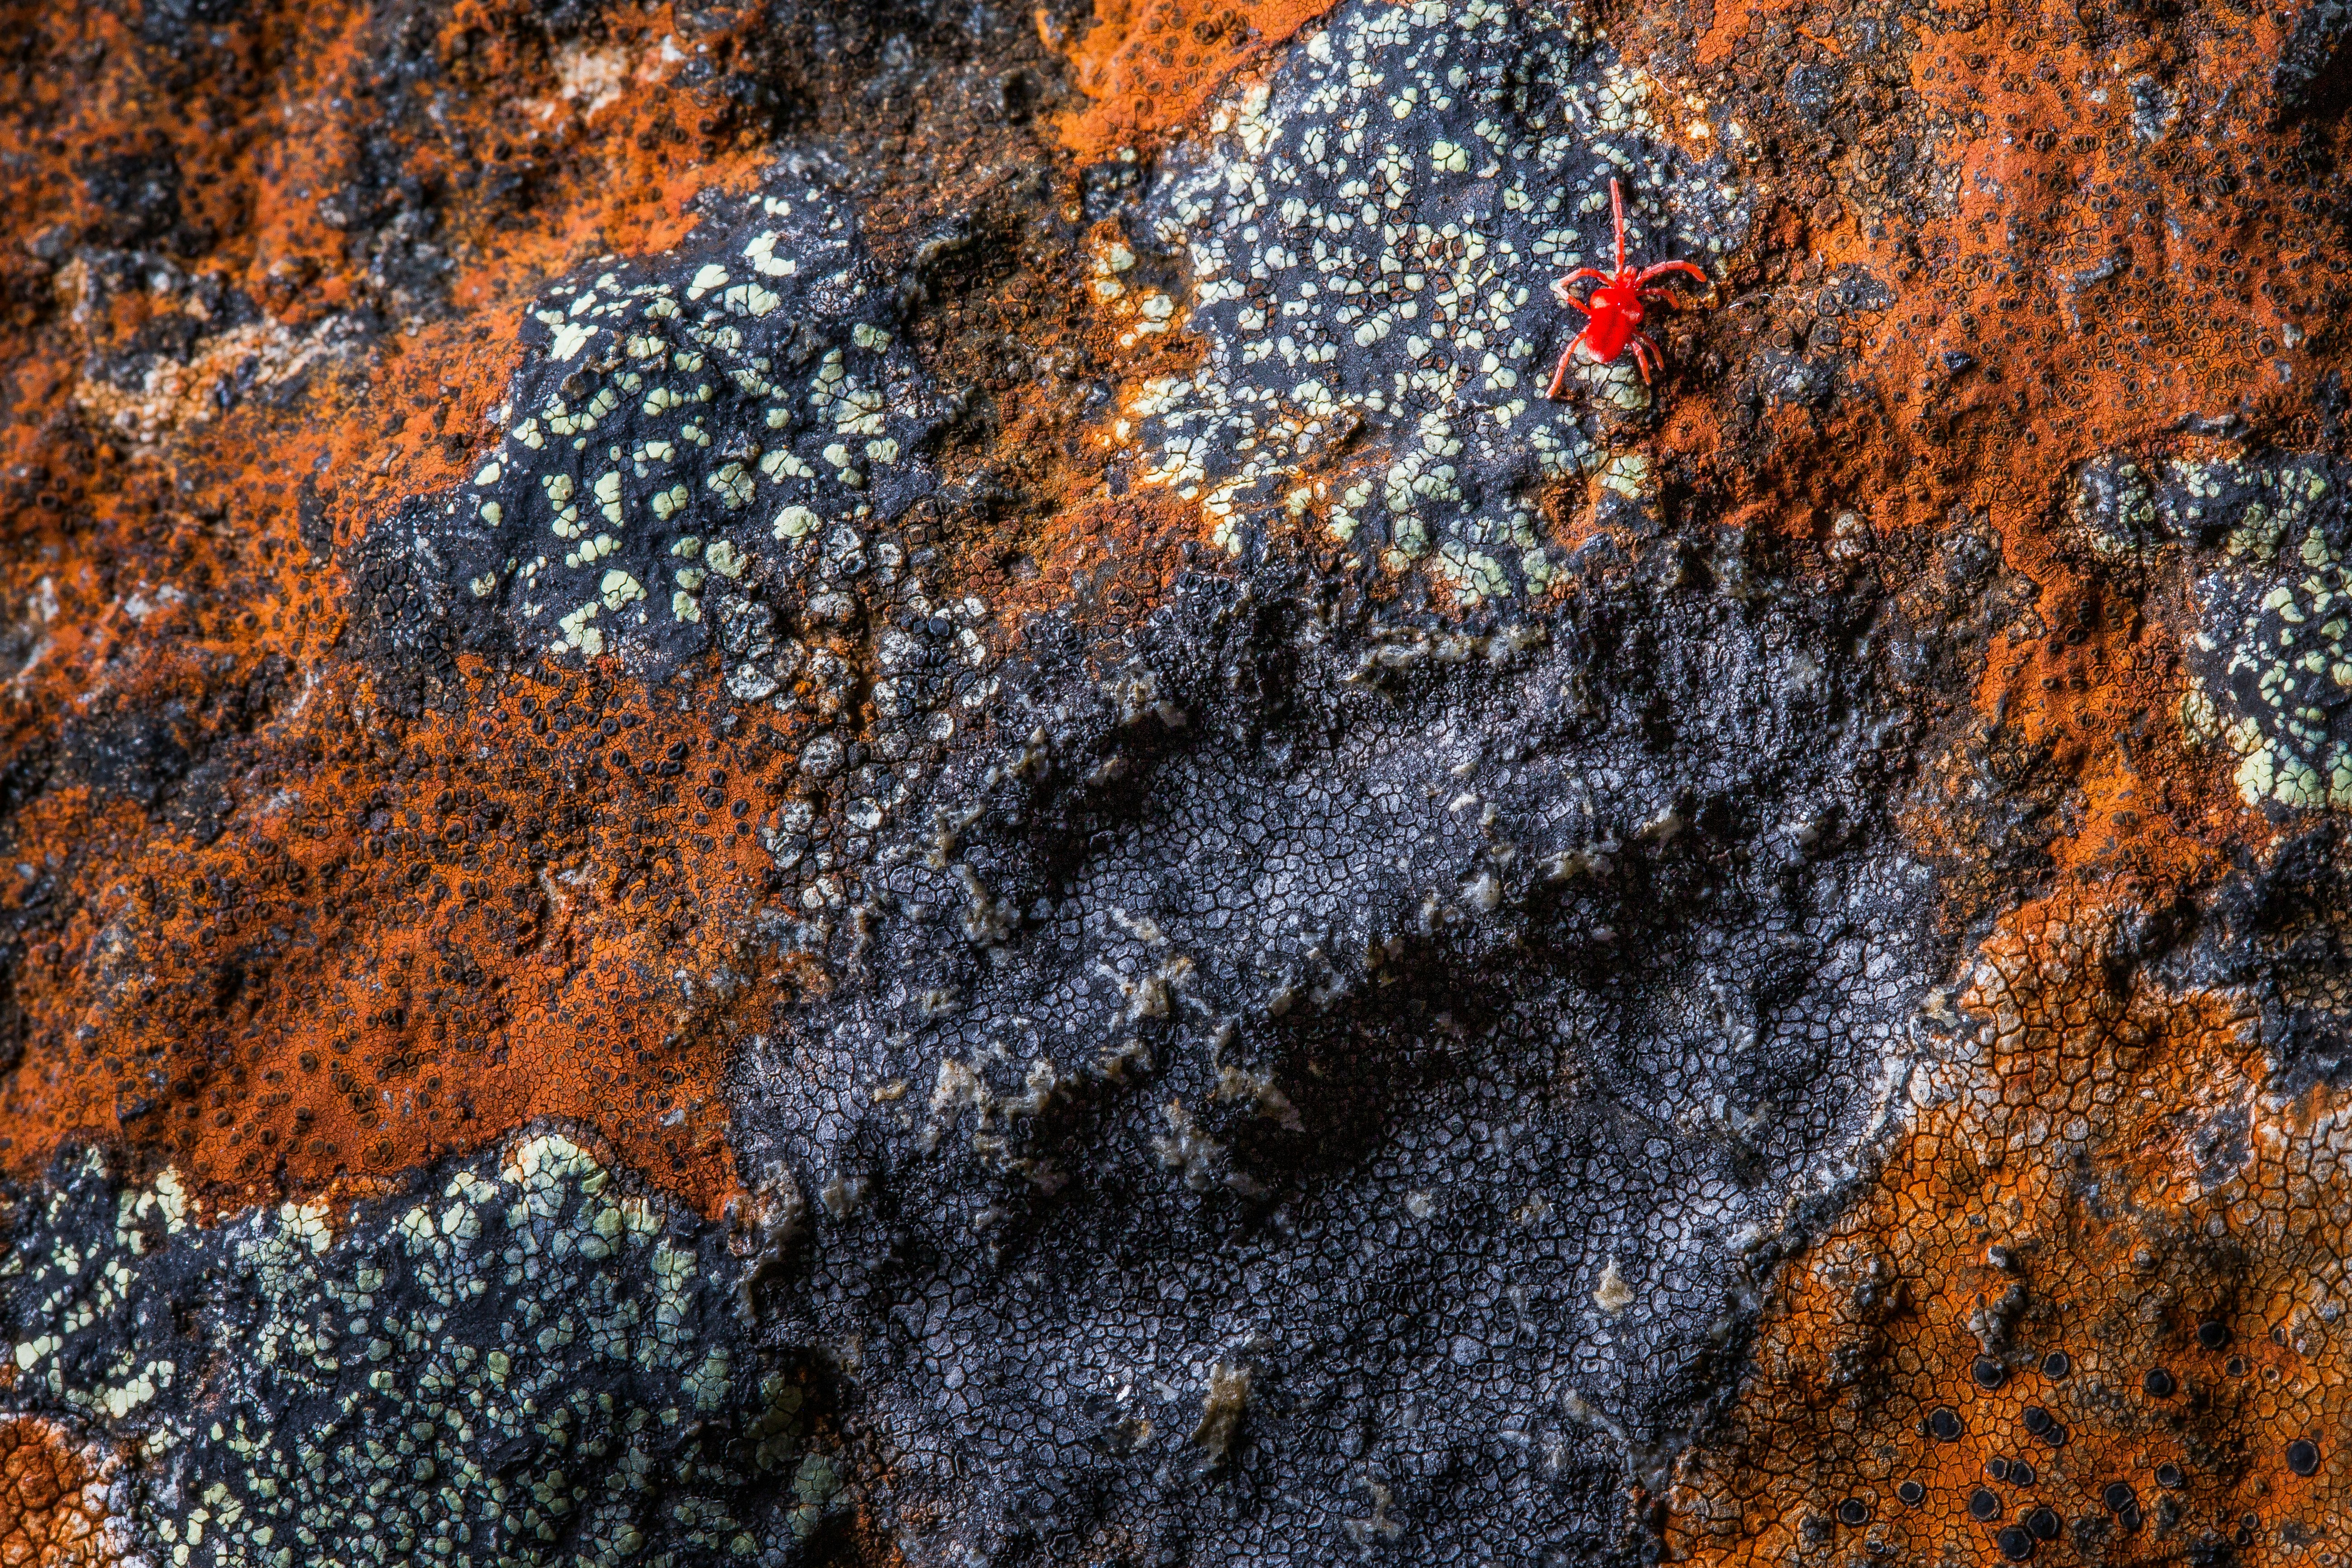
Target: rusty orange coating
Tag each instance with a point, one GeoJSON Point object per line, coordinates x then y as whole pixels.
{"type": "Point", "coordinates": [52, 1502]}
{"type": "Point", "coordinates": [2102, 1169]}
{"type": "Point", "coordinates": [2028, 117]}
{"type": "Point", "coordinates": [1149, 66]}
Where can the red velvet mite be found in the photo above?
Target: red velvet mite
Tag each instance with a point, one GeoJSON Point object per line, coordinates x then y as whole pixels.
{"type": "Point", "coordinates": [1616, 308]}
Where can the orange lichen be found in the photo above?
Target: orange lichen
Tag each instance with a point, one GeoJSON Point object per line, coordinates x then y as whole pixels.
{"type": "Point", "coordinates": [403, 937]}
{"type": "Point", "coordinates": [2092, 280]}
{"type": "Point", "coordinates": [2100, 1169]}
{"type": "Point", "coordinates": [1070, 543]}
{"type": "Point", "coordinates": [352, 939]}
{"type": "Point", "coordinates": [1105, 560]}
{"type": "Point", "coordinates": [52, 1502]}
{"type": "Point", "coordinates": [1149, 66]}
{"type": "Point", "coordinates": [2096, 696]}
{"type": "Point", "coordinates": [271, 139]}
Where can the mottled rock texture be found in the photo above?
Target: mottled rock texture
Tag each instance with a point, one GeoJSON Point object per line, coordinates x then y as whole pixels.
{"type": "Point", "coordinates": [869, 784]}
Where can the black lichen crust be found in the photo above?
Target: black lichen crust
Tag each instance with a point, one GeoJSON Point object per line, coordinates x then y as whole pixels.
{"type": "Point", "coordinates": [681, 426]}
{"type": "Point", "coordinates": [1332, 1082]}
{"type": "Point", "coordinates": [1305, 1080]}
{"type": "Point", "coordinates": [2269, 933]}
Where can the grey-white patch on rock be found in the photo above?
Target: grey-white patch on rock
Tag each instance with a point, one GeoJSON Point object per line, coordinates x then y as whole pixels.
{"type": "Point", "coordinates": [690, 438]}
{"type": "Point", "coordinates": [1369, 244]}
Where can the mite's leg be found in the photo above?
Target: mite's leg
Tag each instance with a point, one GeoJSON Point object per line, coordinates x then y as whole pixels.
{"type": "Point", "coordinates": [1663, 267]}
{"type": "Point", "coordinates": [1559, 376]}
{"type": "Point", "coordinates": [1644, 350]}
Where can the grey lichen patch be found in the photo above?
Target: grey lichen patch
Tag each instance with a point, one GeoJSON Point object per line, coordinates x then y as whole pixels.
{"type": "Point", "coordinates": [519, 1363]}
{"type": "Point", "coordinates": [1369, 243]}
{"type": "Point", "coordinates": [690, 434]}
{"type": "Point", "coordinates": [1362, 1026]}
{"type": "Point", "coordinates": [2271, 661]}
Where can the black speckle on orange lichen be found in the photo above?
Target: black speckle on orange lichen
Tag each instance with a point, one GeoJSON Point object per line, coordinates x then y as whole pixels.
{"type": "Point", "coordinates": [392, 937]}
{"type": "Point", "coordinates": [2098, 1163]}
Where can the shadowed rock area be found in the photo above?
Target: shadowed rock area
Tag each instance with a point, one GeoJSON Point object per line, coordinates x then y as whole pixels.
{"type": "Point", "coordinates": [819, 785]}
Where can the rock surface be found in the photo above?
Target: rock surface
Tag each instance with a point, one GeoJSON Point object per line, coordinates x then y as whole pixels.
{"type": "Point", "coordinates": [813, 784]}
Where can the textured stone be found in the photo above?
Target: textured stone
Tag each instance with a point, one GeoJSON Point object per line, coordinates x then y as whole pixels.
{"type": "Point", "coordinates": [869, 784]}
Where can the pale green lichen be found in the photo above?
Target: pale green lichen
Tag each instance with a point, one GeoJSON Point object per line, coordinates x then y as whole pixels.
{"type": "Point", "coordinates": [2271, 670]}
{"type": "Point", "coordinates": [1369, 241]}
{"type": "Point", "coordinates": [524, 1364]}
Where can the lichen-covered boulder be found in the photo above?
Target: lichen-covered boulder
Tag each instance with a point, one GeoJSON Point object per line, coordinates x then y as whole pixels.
{"type": "Point", "coordinates": [806, 785]}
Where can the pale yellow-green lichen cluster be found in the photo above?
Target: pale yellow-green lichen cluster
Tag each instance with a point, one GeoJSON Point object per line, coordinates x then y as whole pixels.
{"type": "Point", "coordinates": [2272, 669]}
{"type": "Point", "coordinates": [521, 1366]}
{"type": "Point", "coordinates": [667, 379]}
{"type": "Point", "coordinates": [1369, 241]}
{"type": "Point", "coordinates": [685, 432]}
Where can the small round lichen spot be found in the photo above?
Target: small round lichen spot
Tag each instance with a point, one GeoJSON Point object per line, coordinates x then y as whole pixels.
{"type": "Point", "coordinates": [1611, 1294]}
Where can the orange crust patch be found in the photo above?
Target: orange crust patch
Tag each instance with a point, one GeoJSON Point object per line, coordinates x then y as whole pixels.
{"type": "Point", "coordinates": [1149, 66]}
{"type": "Point", "coordinates": [408, 937]}
{"type": "Point", "coordinates": [2086, 288]}
{"type": "Point", "coordinates": [52, 1502]}
{"type": "Point", "coordinates": [2100, 1173]}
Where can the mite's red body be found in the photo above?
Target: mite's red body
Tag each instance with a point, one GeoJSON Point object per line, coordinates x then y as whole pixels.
{"type": "Point", "coordinates": [1616, 308]}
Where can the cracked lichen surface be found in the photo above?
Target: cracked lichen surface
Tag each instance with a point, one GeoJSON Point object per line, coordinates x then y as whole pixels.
{"type": "Point", "coordinates": [1367, 241]}
{"type": "Point", "coordinates": [2058, 1350]}
{"type": "Point", "coordinates": [1381, 1042]}
{"type": "Point", "coordinates": [758, 804]}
